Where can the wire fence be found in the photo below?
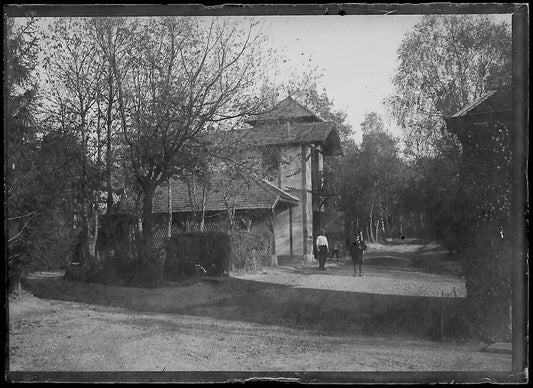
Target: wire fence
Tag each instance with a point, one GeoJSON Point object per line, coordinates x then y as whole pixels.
{"type": "Point", "coordinates": [445, 297]}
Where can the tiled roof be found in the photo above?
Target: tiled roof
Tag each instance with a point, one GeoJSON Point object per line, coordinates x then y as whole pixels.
{"type": "Point", "coordinates": [249, 194]}
{"type": "Point", "coordinates": [289, 108]}
{"type": "Point", "coordinates": [282, 134]}
{"type": "Point", "coordinates": [499, 100]}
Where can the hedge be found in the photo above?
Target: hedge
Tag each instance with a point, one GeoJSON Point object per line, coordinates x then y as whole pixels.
{"type": "Point", "coordinates": [192, 253]}
{"type": "Point", "coordinates": [487, 268]}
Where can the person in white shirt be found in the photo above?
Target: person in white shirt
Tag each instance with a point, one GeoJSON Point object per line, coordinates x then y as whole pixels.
{"type": "Point", "coordinates": [322, 248]}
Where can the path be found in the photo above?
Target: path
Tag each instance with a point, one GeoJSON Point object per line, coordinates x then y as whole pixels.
{"type": "Point", "coordinates": [338, 276]}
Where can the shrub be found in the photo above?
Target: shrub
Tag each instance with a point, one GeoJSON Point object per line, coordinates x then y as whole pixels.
{"type": "Point", "coordinates": [487, 268]}
{"type": "Point", "coordinates": [149, 273]}
{"type": "Point", "coordinates": [187, 253]}
{"type": "Point", "coordinates": [247, 250]}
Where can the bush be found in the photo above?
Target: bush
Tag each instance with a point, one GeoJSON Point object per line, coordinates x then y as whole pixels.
{"type": "Point", "coordinates": [247, 249]}
{"type": "Point", "coordinates": [487, 268]}
{"type": "Point", "coordinates": [149, 273]}
{"type": "Point", "coordinates": [121, 260]}
{"type": "Point", "coordinates": [190, 253]}
{"type": "Point", "coordinates": [75, 272]}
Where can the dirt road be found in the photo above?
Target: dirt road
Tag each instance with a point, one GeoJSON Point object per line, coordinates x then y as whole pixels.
{"type": "Point", "coordinates": [375, 280]}
{"type": "Point", "coordinates": [234, 325]}
{"type": "Point", "coordinates": [66, 336]}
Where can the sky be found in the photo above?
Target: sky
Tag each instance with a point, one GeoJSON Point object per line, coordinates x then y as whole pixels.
{"type": "Point", "coordinates": [357, 54]}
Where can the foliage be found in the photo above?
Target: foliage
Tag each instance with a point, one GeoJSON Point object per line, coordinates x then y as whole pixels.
{"type": "Point", "coordinates": [487, 177]}
{"type": "Point", "coordinates": [433, 200]}
{"type": "Point", "coordinates": [194, 253]}
{"type": "Point", "coordinates": [321, 104]}
{"type": "Point", "coordinates": [458, 186]}
{"type": "Point", "coordinates": [445, 63]}
{"type": "Point", "coordinates": [246, 250]}
{"type": "Point", "coordinates": [371, 178]}
{"type": "Point", "coordinates": [72, 110]}
{"type": "Point", "coordinates": [487, 267]}
{"type": "Point", "coordinates": [21, 145]}
{"type": "Point", "coordinates": [21, 60]}
{"type": "Point", "coordinates": [175, 77]}
{"type": "Point", "coordinates": [137, 97]}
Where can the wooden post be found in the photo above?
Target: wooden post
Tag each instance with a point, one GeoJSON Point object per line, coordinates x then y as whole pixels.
{"type": "Point", "coordinates": [273, 254]}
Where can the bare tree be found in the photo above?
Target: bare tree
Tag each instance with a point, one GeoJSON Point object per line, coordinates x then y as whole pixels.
{"type": "Point", "coordinates": [174, 76]}
{"type": "Point", "coordinates": [72, 106]}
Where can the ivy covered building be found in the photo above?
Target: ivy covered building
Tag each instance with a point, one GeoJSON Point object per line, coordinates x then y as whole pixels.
{"type": "Point", "coordinates": [484, 131]}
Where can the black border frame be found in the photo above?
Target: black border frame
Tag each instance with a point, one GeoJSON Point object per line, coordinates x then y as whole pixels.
{"type": "Point", "coordinates": [520, 205]}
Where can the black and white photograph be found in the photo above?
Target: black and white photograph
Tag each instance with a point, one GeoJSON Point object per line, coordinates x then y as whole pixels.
{"type": "Point", "coordinates": [325, 193]}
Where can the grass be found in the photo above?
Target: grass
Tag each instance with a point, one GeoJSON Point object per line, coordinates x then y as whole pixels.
{"type": "Point", "coordinates": [323, 311]}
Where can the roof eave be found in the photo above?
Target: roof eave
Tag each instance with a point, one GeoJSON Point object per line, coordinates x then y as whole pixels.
{"type": "Point", "coordinates": [274, 204]}
{"type": "Point", "coordinates": [332, 145]}
{"type": "Point", "coordinates": [459, 123]}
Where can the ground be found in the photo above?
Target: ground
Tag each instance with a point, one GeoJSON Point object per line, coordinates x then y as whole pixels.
{"type": "Point", "coordinates": [283, 318]}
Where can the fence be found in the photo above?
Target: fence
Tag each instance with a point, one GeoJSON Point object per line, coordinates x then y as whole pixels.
{"type": "Point", "coordinates": [446, 316]}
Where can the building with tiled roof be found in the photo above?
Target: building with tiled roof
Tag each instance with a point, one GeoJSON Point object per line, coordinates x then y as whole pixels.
{"type": "Point", "coordinates": [241, 194]}
{"type": "Point", "coordinates": [287, 204]}
{"type": "Point", "coordinates": [475, 122]}
{"type": "Point", "coordinates": [288, 109]}
{"type": "Point", "coordinates": [303, 139]}
{"type": "Point", "coordinates": [491, 102]}
{"type": "Point", "coordinates": [289, 133]}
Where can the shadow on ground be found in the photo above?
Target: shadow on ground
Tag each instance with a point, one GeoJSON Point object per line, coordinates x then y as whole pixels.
{"type": "Point", "coordinates": [324, 311]}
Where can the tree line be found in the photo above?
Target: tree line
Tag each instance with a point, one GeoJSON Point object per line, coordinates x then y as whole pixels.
{"type": "Point", "coordinates": [100, 108]}
{"type": "Point", "coordinates": [409, 185]}
{"type": "Point", "coordinates": [100, 105]}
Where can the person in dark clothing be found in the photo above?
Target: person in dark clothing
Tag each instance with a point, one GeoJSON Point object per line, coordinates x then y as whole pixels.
{"type": "Point", "coordinates": [357, 253]}
{"type": "Point", "coordinates": [336, 249]}
{"type": "Point", "coordinates": [322, 247]}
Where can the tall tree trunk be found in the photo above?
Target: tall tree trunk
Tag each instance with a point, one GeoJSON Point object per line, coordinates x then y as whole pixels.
{"type": "Point", "coordinates": [89, 235]}
{"type": "Point", "coordinates": [202, 214]}
{"type": "Point", "coordinates": [231, 215]}
{"type": "Point", "coordinates": [191, 189]}
{"type": "Point", "coordinates": [84, 217]}
{"type": "Point", "coordinates": [169, 231]}
{"type": "Point", "coordinates": [147, 221]}
{"type": "Point", "coordinates": [109, 160]}
{"type": "Point", "coordinates": [93, 238]}
{"type": "Point", "coordinates": [371, 223]}
{"type": "Point", "coordinates": [248, 224]}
